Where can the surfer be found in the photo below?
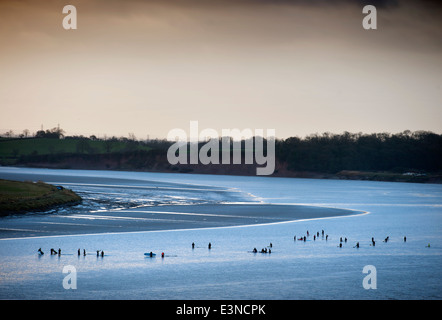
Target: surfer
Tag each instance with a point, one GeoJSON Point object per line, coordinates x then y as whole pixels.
{"type": "Point", "coordinates": [405, 239]}
{"type": "Point", "coordinates": [357, 245]}
{"type": "Point", "coordinates": [254, 250]}
{"type": "Point", "coordinates": [40, 252]}
{"type": "Point", "coordinates": [210, 246]}
{"type": "Point", "coordinates": [193, 245]}
{"type": "Point", "coordinates": [102, 253]}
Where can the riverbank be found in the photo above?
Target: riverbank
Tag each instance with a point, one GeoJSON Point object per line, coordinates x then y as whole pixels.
{"type": "Point", "coordinates": [281, 170]}
{"type": "Point", "coordinates": [19, 197]}
{"type": "Point", "coordinates": [403, 157]}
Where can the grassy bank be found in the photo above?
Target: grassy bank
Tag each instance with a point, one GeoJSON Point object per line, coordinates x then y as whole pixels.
{"type": "Point", "coordinates": [17, 196]}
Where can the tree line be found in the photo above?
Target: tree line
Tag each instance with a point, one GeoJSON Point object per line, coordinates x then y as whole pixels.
{"type": "Point", "coordinates": [331, 153]}
{"type": "Point", "coordinates": [325, 153]}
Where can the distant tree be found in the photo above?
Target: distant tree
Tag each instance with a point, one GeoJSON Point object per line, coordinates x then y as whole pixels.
{"type": "Point", "coordinates": [9, 134]}
{"type": "Point", "coordinates": [132, 136]}
{"type": "Point", "coordinates": [40, 134]}
{"type": "Point", "coordinates": [54, 133]}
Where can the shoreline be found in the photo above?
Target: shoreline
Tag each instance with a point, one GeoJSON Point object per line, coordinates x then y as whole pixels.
{"type": "Point", "coordinates": [250, 170]}
{"type": "Point", "coordinates": [167, 218]}
{"type": "Point", "coordinates": [360, 213]}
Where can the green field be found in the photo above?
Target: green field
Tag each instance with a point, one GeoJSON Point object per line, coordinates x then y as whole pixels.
{"type": "Point", "coordinates": [13, 148]}
{"type": "Point", "coordinates": [17, 196]}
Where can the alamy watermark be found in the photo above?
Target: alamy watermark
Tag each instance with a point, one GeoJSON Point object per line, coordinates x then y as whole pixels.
{"type": "Point", "coordinates": [224, 149]}
{"type": "Point", "coordinates": [370, 280]}
{"type": "Point", "coordinates": [368, 22]}
{"type": "Point", "coordinates": [70, 281]}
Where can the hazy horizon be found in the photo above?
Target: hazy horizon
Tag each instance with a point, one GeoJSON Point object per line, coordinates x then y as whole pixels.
{"type": "Point", "coordinates": [146, 67]}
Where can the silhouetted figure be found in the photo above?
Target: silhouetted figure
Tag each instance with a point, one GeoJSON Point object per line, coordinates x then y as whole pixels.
{"type": "Point", "coordinates": [386, 239]}
{"type": "Point", "coordinates": [326, 238]}
{"type": "Point", "coordinates": [40, 252]}
{"type": "Point", "coordinates": [305, 238]}
{"type": "Point", "coordinates": [59, 251]}
{"type": "Point", "coordinates": [271, 245]}
{"type": "Point", "coordinates": [323, 232]}
{"type": "Point", "coordinates": [84, 252]}
{"type": "Point", "coordinates": [162, 254]}
{"type": "Point", "coordinates": [340, 240]}
{"type": "Point", "coordinates": [193, 245]}
{"type": "Point", "coordinates": [345, 239]}
{"type": "Point", "coordinates": [78, 252]}
{"type": "Point", "coordinates": [294, 238]}
{"type": "Point", "coordinates": [405, 239]}
{"type": "Point", "coordinates": [98, 253]}
{"type": "Point", "coordinates": [102, 253]}
{"type": "Point", "coordinates": [357, 244]}
{"type": "Point", "coordinates": [340, 245]}
{"type": "Point", "coordinates": [210, 246]}
{"type": "Point", "coordinates": [254, 250]}
{"type": "Point", "coordinates": [314, 237]}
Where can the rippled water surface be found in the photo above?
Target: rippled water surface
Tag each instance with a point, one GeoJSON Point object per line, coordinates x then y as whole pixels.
{"type": "Point", "coordinates": [117, 202]}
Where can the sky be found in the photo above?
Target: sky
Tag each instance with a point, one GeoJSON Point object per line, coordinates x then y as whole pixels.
{"type": "Point", "coordinates": [147, 67]}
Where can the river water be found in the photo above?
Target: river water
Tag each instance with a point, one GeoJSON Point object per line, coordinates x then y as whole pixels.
{"type": "Point", "coordinates": [127, 214]}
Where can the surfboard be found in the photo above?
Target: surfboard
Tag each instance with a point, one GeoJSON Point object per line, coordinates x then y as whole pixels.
{"type": "Point", "coordinates": [148, 254]}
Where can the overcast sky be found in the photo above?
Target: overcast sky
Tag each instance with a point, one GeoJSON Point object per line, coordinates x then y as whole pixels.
{"type": "Point", "coordinates": [146, 67]}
